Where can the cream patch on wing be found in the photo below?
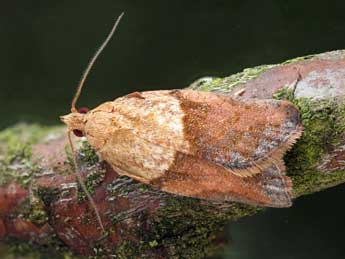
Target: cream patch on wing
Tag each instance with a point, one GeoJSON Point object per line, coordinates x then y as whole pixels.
{"type": "Point", "coordinates": [133, 155]}
{"type": "Point", "coordinates": [144, 134]}
{"type": "Point", "coordinates": [158, 118]}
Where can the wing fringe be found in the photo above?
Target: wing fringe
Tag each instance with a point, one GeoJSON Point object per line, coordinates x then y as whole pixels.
{"type": "Point", "coordinates": [274, 157]}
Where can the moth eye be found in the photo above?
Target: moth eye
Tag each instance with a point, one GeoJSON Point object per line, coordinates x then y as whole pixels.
{"type": "Point", "coordinates": [83, 110]}
{"type": "Point", "coordinates": [78, 133]}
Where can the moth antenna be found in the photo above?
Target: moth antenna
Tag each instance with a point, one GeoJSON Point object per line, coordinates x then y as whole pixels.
{"type": "Point", "coordinates": [82, 184]}
{"type": "Point", "coordinates": [91, 63]}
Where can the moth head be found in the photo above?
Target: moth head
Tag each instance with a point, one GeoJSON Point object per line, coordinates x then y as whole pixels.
{"type": "Point", "coordinates": [75, 121]}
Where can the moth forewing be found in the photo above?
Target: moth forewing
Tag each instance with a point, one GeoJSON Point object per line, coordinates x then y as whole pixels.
{"type": "Point", "coordinates": [199, 144]}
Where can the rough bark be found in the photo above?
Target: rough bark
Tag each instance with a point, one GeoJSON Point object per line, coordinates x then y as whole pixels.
{"type": "Point", "coordinates": [39, 203]}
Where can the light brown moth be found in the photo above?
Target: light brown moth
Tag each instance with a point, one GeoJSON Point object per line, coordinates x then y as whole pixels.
{"type": "Point", "coordinates": [196, 144]}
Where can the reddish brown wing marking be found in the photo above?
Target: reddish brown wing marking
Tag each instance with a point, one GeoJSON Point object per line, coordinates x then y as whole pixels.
{"type": "Point", "coordinates": [243, 136]}
{"type": "Point", "coordinates": [232, 140]}
{"type": "Point", "coordinates": [195, 177]}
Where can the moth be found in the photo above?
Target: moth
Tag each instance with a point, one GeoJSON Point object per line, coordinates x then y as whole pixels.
{"type": "Point", "coordinates": [197, 144]}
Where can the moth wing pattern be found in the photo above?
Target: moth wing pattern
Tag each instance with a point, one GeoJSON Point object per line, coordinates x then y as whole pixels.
{"type": "Point", "coordinates": [239, 141]}
{"type": "Point", "coordinates": [140, 133]}
{"type": "Point", "coordinates": [244, 136]}
{"type": "Point", "coordinates": [199, 178]}
{"type": "Point", "coordinates": [134, 156]}
{"type": "Point", "coordinates": [201, 144]}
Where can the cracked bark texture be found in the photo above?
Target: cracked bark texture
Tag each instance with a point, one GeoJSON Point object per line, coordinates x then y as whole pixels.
{"type": "Point", "coordinates": [40, 204]}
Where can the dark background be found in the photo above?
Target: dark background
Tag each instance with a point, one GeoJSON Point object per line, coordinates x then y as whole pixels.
{"type": "Point", "coordinates": [165, 44]}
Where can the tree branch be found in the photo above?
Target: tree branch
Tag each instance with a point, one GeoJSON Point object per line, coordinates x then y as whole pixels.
{"type": "Point", "coordinates": [39, 201]}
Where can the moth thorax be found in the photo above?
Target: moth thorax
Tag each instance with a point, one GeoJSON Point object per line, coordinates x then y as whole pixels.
{"type": "Point", "coordinates": [74, 121]}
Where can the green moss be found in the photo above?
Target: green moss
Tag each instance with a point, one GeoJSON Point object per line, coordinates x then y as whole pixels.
{"type": "Point", "coordinates": [18, 172]}
{"type": "Point", "coordinates": [182, 227]}
{"type": "Point", "coordinates": [298, 59]}
{"type": "Point", "coordinates": [11, 249]}
{"type": "Point", "coordinates": [130, 249]}
{"type": "Point", "coordinates": [153, 243]}
{"type": "Point", "coordinates": [209, 84]}
{"type": "Point", "coordinates": [20, 137]}
{"type": "Point", "coordinates": [69, 160]}
{"type": "Point", "coordinates": [227, 83]}
{"type": "Point", "coordinates": [15, 149]}
{"type": "Point", "coordinates": [284, 93]}
{"type": "Point", "coordinates": [323, 128]}
{"type": "Point", "coordinates": [18, 166]}
{"type": "Point", "coordinates": [33, 209]}
{"type": "Point", "coordinates": [89, 164]}
{"type": "Point", "coordinates": [313, 181]}
{"type": "Point", "coordinates": [324, 125]}
{"type": "Point", "coordinates": [94, 177]}
{"type": "Point", "coordinates": [99, 252]}
{"type": "Point", "coordinates": [186, 227]}
{"type": "Point", "coordinates": [87, 155]}
{"type": "Point", "coordinates": [47, 195]}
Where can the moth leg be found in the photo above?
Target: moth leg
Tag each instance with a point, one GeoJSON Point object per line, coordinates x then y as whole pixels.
{"type": "Point", "coordinates": [82, 184]}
